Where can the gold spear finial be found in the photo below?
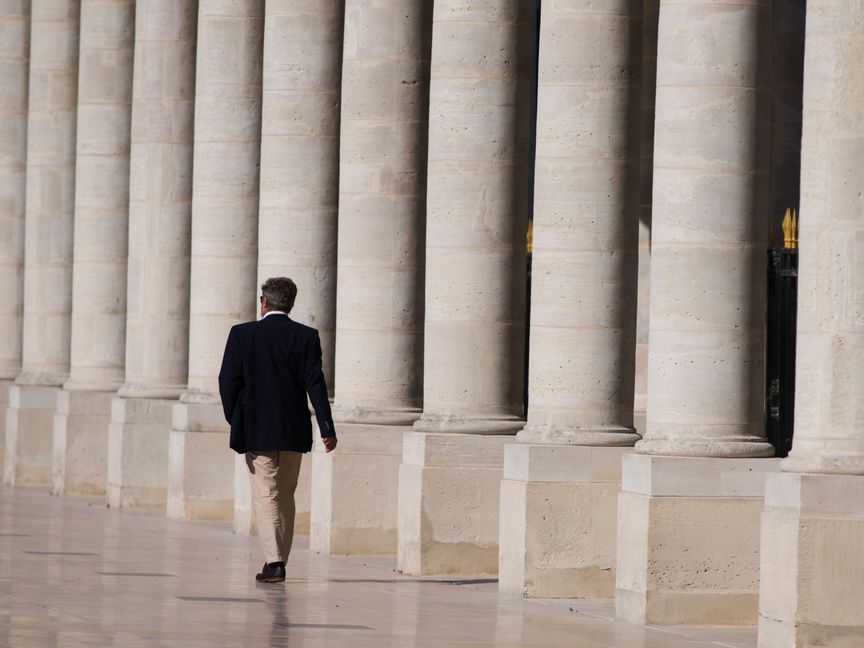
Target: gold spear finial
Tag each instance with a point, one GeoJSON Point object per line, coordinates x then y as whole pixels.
{"type": "Point", "coordinates": [529, 237]}
{"type": "Point", "coordinates": [790, 228]}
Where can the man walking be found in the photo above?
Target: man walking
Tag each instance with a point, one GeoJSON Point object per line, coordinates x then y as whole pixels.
{"type": "Point", "coordinates": [268, 368]}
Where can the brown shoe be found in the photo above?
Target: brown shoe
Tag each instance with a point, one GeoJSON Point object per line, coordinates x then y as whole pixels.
{"type": "Point", "coordinates": [271, 573]}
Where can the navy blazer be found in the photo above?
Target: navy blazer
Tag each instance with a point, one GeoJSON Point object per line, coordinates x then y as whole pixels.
{"type": "Point", "coordinates": [268, 368]}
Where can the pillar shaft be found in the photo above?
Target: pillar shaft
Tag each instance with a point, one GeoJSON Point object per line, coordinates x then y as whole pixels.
{"type": "Point", "coordinates": [14, 74]}
{"type": "Point", "coordinates": [99, 266]}
{"type": "Point", "coordinates": [300, 158]}
{"type": "Point", "coordinates": [479, 131]}
{"type": "Point", "coordinates": [829, 411]}
{"type": "Point", "coordinates": [50, 192]}
{"type": "Point", "coordinates": [160, 200]}
{"type": "Point", "coordinates": [14, 64]}
{"type": "Point", "coordinates": [382, 209]}
{"type": "Point", "coordinates": [379, 329]}
{"type": "Point", "coordinates": [102, 194]}
{"type": "Point", "coordinates": [225, 183]}
{"type": "Point", "coordinates": [224, 247]}
{"type": "Point", "coordinates": [585, 254]}
{"type": "Point", "coordinates": [157, 323]}
{"type": "Point", "coordinates": [709, 233]}
{"type": "Point", "coordinates": [648, 74]}
{"type": "Point", "coordinates": [50, 199]}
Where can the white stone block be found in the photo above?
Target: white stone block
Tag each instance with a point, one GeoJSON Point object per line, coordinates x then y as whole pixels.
{"type": "Point", "coordinates": [558, 521]}
{"type": "Point", "coordinates": [29, 434]}
{"type": "Point", "coordinates": [688, 540]}
{"type": "Point", "coordinates": [138, 438]}
{"type": "Point", "coordinates": [80, 456]}
{"type": "Point", "coordinates": [449, 494]}
{"type": "Point", "coordinates": [812, 562]}
{"type": "Point", "coordinates": [355, 491]}
{"type": "Point", "coordinates": [200, 464]}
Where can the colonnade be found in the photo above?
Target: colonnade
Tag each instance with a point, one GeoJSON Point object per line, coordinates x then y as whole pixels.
{"type": "Point", "coordinates": [160, 158]}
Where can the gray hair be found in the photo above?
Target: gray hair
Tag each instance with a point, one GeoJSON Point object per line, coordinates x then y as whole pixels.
{"type": "Point", "coordinates": [280, 293]}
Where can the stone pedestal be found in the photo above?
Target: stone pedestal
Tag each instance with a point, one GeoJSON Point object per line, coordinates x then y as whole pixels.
{"type": "Point", "coordinates": [80, 461]}
{"type": "Point", "coordinates": [29, 437]}
{"type": "Point", "coordinates": [138, 452]}
{"type": "Point", "coordinates": [558, 520]}
{"type": "Point", "coordinates": [812, 562]}
{"type": "Point", "coordinates": [299, 189]}
{"type": "Point", "coordinates": [356, 491]}
{"type": "Point", "coordinates": [5, 388]}
{"type": "Point", "coordinates": [200, 464]}
{"type": "Point", "coordinates": [449, 487]}
{"type": "Point", "coordinates": [688, 540]}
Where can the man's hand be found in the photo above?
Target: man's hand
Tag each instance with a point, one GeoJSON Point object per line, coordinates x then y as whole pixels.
{"type": "Point", "coordinates": [330, 443]}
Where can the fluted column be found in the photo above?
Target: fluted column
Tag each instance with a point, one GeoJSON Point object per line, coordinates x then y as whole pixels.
{"type": "Point", "coordinates": [101, 231]}
{"type": "Point", "coordinates": [300, 158]}
{"type": "Point", "coordinates": [583, 307]}
{"type": "Point", "coordinates": [50, 199]}
{"type": "Point", "coordinates": [379, 327]}
{"type": "Point", "coordinates": [300, 177]}
{"type": "Point", "coordinates": [479, 133]}
{"type": "Point", "coordinates": [224, 247]}
{"type": "Point", "coordinates": [818, 502]}
{"type": "Point", "coordinates": [706, 327]}
{"type": "Point", "coordinates": [14, 73]}
{"type": "Point", "coordinates": [160, 193]}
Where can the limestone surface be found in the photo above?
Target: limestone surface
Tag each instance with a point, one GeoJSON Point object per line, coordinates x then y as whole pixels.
{"type": "Point", "coordinates": [382, 208]}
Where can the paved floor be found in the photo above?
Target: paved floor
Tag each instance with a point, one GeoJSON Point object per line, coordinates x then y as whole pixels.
{"type": "Point", "coordinates": [73, 573]}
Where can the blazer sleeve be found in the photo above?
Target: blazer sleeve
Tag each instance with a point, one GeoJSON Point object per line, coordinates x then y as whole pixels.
{"type": "Point", "coordinates": [231, 375]}
{"type": "Point", "coordinates": [317, 388]}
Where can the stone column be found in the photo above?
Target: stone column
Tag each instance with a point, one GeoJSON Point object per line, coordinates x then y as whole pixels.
{"type": "Point", "coordinates": [379, 329]}
{"type": "Point", "coordinates": [648, 88]}
{"type": "Point", "coordinates": [478, 172]}
{"type": "Point", "coordinates": [813, 559]}
{"type": "Point", "coordinates": [50, 200]}
{"type": "Point", "coordinates": [224, 247]}
{"type": "Point", "coordinates": [300, 158]}
{"type": "Point", "coordinates": [101, 231]}
{"type": "Point", "coordinates": [300, 175]}
{"type": "Point", "coordinates": [14, 72]}
{"type": "Point", "coordinates": [583, 309]}
{"type": "Point", "coordinates": [706, 338]}
{"type": "Point", "coordinates": [160, 188]}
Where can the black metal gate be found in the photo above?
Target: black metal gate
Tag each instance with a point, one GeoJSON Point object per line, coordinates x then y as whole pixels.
{"type": "Point", "coordinates": [780, 339]}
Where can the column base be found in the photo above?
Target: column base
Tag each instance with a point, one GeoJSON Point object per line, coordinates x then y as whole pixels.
{"type": "Point", "coordinates": [29, 434]}
{"type": "Point", "coordinates": [688, 540]}
{"type": "Point", "coordinates": [558, 520]}
{"type": "Point", "coordinates": [5, 387]}
{"type": "Point", "coordinates": [80, 463]}
{"type": "Point", "coordinates": [449, 494]}
{"type": "Point", "coordinates": [812, 562]}
{"type": "Point", "coordinates": [199, 464]}
{"type": "Point", "coordinates": [138, 452]}
{"type": "Point", "coordinates": [356, 491]}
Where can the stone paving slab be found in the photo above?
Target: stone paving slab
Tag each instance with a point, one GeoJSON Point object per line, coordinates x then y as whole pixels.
{"type": "Point", "coordinates": [75, 573]}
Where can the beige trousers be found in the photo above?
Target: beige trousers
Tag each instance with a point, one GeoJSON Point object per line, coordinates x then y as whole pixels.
{"type": "Point", "coordinates": [274, 479]}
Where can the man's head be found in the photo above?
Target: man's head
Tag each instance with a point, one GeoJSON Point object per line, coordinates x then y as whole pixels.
{"type": "Point", "coordinates": [278, 294]}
